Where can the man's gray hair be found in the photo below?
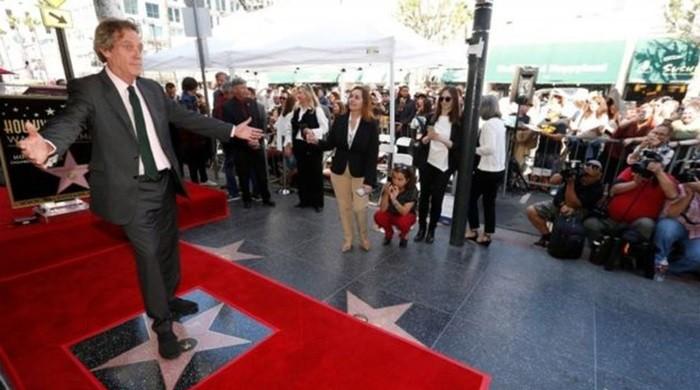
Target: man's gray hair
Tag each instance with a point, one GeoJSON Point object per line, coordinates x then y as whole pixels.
{"type": "Point", "coordinates": [106, 32]}
{"type": "Point", "coordinates": [489, 108]}
{"type": "Point", "coordinates": [227, 87]}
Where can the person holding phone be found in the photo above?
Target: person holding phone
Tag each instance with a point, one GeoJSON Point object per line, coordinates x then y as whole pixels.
{"type": "Point", "coordinates": [444, 132]}
{"type": "Point", "coordinates": [398, 204]}
{"type": "Point", "coordinates": [355, 138]}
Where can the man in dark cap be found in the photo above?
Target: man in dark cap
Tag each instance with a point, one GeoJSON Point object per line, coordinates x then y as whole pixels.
{"type": "Point", "coordinates": [249, 155]}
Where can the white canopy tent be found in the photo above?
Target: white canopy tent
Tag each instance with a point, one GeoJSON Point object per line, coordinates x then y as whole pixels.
{"type": "Point", "coordinates": [324, 34]}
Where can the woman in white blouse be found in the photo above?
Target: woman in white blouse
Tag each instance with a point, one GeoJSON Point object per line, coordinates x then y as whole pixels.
{"type": "Point", "coordinates": [444, 132]}
{"type": "Point", "coordinates": [489, 172]}
{"type": "Point", "coordinates": [308, 117]}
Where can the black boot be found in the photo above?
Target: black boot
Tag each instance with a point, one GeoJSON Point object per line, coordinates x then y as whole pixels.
{"type": "Point", "coordinates": [430, 237]}
{"type": "Point", "coordinates": [420, 236]}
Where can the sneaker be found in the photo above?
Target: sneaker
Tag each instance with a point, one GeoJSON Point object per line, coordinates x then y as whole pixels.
{"type": "Point", "coordinates": [210, 183]}
{"type": "Point", "coordinates": [231, 198]}
{"type": "Point", "coordinates": [660, 270]}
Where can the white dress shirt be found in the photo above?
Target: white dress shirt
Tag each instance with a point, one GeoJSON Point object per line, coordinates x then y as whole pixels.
{"type": "Point", "coordinates": [438, 155]}
{"type": "Point", "coordinates": [284, 130]}
{"type": "Point", "coordinates": [157, 150]}
{"type": "Point", "coordinates": [322, 123]}
{"type": "Point", "coordinates": [492, 146]}
{"type": "Point", "coordinates": [352, 130]}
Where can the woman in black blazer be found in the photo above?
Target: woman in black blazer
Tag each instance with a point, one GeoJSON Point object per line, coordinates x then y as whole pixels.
{"type": "Point", "coordinates": [355, 138]}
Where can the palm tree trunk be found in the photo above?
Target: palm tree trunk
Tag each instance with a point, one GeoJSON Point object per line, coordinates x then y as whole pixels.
{"type": "Point", "coordinates": [107, 9]}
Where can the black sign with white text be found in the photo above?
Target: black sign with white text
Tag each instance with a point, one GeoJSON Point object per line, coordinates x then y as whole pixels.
{"type": "Point", "coordinates": [27, 184]}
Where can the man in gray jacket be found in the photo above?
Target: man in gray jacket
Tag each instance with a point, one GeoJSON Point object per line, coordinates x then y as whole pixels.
{"type": "Point", "coordinates": [134, 173]}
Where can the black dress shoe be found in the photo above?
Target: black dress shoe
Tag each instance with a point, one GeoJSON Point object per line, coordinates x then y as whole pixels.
{"type": "Point", "coordinates": [318, 209]}
{"type": "Point", "coordinates": [268, 203]}
{"type": "Point", "coordinates": [247, 204]}
{"type": "Point", "coordinates": [181, 307]}
{"type": "Point", "coordinates": [387, 241]}
{"type": "Point", "coordinates": [430, 237]}
{"type": "Point", "coordinates": [403, 243]}
{"type": "Point", "coordinates": [420, 236]}
{"type": "Point", "coordinates": [168, 346]}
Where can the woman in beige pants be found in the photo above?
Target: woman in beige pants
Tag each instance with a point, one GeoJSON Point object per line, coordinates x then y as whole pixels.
{"type": "Point", "coordinates": [355, 138]}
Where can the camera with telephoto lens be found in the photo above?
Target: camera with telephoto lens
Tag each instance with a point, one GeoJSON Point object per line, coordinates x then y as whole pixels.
{"type": "Point", "coordinates": [571, 169]}
{"type": "Point", "coordinates": [648, 156]}
{"type": "Point", "coordinates": [690, 173]}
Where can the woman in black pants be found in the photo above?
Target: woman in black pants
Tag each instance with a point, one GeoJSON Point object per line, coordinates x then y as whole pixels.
{"type": "Point", "coordinates": [308, 117]}
{"type": "Point", "coordinates": [489, 173]}
{"type": "Point", "coordinates": [443, 135]}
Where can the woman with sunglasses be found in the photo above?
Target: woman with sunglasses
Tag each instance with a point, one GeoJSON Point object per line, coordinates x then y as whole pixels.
{"type": "Point", "coordinates": [355, 138]}
{"type": "Point", "coordinates": [444, 132]}
{"type": "Point", "coordinates": [489, 172]}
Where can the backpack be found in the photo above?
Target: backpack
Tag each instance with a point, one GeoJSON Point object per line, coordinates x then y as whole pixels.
{"type": "Point", "coordinates": [568, 238]}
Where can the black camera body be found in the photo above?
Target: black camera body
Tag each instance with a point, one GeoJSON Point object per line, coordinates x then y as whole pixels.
{"type": "Point", "coordinates": [571, 169]}
{"type": "Point", "coordinates": [690, 173]}
{"type": "Point", "coordinates": [648, 156]}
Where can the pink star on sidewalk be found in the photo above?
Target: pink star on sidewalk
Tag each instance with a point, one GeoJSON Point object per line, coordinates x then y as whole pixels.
{"type": "Point", "coordinates": [70, 173]}
{"type": "Point", "coordinates": [231, 251]}
{"type": "Point", "coordinates": [384, 317]}
{"type": "Point", "coordinates": [196, 327]}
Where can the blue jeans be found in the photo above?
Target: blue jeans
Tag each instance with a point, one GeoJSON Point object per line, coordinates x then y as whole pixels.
{"type": "Point", "coordinates": [230, 171]}
{"type": "Point", "coordinates": [670, 232]}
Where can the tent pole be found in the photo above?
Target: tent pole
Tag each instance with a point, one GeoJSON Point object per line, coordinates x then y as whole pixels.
{"type": "Point", "coordinates": [392, 107]}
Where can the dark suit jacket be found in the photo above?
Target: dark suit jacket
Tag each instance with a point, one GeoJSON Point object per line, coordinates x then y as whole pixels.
{"type": "Point", "coordinates": [235, 112]}
{"type": "Point", "coordinates": [95, 104]}
{"type": "Point", "coordinates": [362, 156]}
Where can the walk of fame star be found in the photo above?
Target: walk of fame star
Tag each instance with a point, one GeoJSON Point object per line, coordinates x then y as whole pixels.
{"type": "Point", "coordinates": [70, 173]}
{"type": "Point", "coordinates": [126, 356]}
{"type": "Point", "coordinates": [384, 317]}
{"type": "Point", "coordinates": [197, 327]}
{"type": "Point", "coordinates": [231, 251]}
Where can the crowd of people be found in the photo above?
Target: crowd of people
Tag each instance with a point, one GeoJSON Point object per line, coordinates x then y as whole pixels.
{"type": "Point", "coordinates": [628, 178]}
{"type": "Point", "coordinates": [303, 122]}
{"type": "Point", "coordinates": [609, 164]}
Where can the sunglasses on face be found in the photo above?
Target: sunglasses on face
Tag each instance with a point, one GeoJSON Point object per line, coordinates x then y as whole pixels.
{"type": "Point", "coordinates": [445, 99]}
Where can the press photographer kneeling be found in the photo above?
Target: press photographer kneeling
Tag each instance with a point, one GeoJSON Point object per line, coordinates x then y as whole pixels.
{"type": "Point", "coordinates": [677, 234]}
{"type": "Point", "coordinates": [580, 193]}
{"type": "Point", "coordinates": [637, 198]}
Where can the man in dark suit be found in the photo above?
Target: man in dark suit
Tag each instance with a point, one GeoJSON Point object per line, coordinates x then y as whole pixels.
{"type": "Point", "coordinates": [249, 155]}
{"type": "Point", "coordinates": [134, 173]}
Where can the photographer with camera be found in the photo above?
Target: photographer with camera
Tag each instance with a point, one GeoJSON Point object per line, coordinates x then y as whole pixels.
{"type": "Point", "coordinates": [637, 198]}
{"type": "Point", "coordinates": [656, 141]}
{"type": "Point", "coordinates": [680, 228]}
{"type": "Point", "coordinates": [580, 192]}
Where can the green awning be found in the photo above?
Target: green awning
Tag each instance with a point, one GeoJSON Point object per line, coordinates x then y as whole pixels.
{"type": "Point", "coordinates": [454, 75]}
{"type": "Point", "coordinates": [664, 61]}
{"type": "Point", "coordinates": [302, 76]}
{"type": "Point", "coordinates": [558, 63]}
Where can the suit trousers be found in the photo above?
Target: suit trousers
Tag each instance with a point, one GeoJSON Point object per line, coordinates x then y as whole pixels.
{"type": "Point", "coordinates": [349, 203]}
{"type": "Point", "coordinates": [153, 234]}
{"type": "Point", "coordinates": [310, 173]}
{"type": "Point", "coordinates": [485, 186]}
{"type": "Point", "coordinates": [251, 165]}
{"type": "Point", "coordinates": [433, 183]}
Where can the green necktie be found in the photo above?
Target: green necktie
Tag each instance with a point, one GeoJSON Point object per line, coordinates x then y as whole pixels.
{"type": "Point", "coordinates": [149, 163]}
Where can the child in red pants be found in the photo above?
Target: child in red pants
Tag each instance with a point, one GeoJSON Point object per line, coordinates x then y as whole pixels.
{"type": "Point", "coordinates": [398, 203]}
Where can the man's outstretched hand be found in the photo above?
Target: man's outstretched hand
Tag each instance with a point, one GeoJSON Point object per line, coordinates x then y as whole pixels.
{"type": "Point", "coordinates": [34, 147]}
{"type": "Point", "coordinates": [247, 133]}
